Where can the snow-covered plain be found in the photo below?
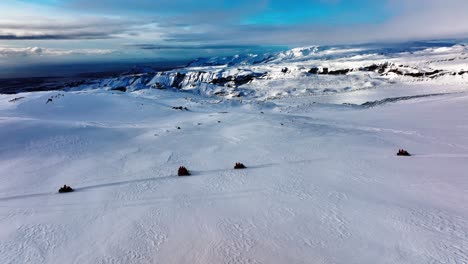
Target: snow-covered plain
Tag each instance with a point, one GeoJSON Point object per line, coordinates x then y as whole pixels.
{"type": "Point", "coordinates": [323, 183]}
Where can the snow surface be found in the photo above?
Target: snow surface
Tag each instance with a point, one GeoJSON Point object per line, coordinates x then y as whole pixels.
{"type": "Point", "coordinates": [323, 183]}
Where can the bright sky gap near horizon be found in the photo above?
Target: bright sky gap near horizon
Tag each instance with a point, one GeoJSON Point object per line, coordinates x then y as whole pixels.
{"type": "Point", "coordinates": [34, 31]}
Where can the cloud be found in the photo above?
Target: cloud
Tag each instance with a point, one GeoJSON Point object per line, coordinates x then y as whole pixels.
{"type": "Point", "coordinates": [37, 51]}
{"type": "Point", "coordinates": [34, 36]}
{"type": "Point", "coordinates": [163, 6]}
{"type": "Point", "coordinates": [189, 47]}
{"type": "Point", "coordinates": [71, 27]}
{"type": "Point", "coordinates": [173, 25]}
{"type": "Point", "coordinates": [411, 20]}
{"type": "Point", "coordinates": [428, 19]}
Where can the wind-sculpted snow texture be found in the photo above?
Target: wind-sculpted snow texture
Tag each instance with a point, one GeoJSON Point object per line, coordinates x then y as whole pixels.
{"type": "Point", "coordinates": [323, 182]}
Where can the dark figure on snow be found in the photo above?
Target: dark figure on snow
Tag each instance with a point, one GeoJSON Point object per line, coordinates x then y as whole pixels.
{"type": "Point", "coordinates": [403, 152]}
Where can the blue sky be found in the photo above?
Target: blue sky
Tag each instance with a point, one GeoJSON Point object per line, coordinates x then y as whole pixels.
{"type": "Point", "coordinates": [32, 31]}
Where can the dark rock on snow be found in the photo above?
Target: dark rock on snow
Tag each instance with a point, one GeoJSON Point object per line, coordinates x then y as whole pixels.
{"type": "Point", "coordinates": [66, 189]}
{"type": "Point", "coordinates": [183, 171]}
{"type": "Point", "coordinates": [403, 152]}
{"type": "Point", "coordinates": [239, 166]}
{"type": "Point", "coordinates": [120, 88]}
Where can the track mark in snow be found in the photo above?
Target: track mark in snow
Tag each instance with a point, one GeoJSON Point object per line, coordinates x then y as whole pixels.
{"type": "Point", "coordinates": [448, 251]}
{"type": "Point", "coordinates": [336, 224]}
{"type": "Point", "coordinates": [280, 213]}
{"type": "Point", "coordinates": [33, 243]}
{"type": "Point", "coordinates": [236, 241]}
{"type": "Point", "coordinates": [70, 146]}
{"type": "Point", "coordinates": [439, 221]}
{"type": "Point", "coordinates": [442, 155]}
{"type": "Point", "coordinates": [397, 99]}
{"type": "Point", "coordinates": [18, 212]}
{"type": "Point", "coordinates": [233, 140]}
{"type": "Point", "coordinates": [146, 236]}
{"type": "Point", "coordinates": [227, 181]}
{"type": "Point", "coordinates": [361, 169]}
{"type": "Point", "coordinates": [450, 243]}
{"type": "Point", "coordinates": [336, 198]}
{"type": "Point", "coordinates": [183, 201]}
{"type": "Point", "coordinates": [295, 187]}
{"type": "Point", "coordinates": [151, 231]}
{"type": "Point", "coordinates": [170, 156]}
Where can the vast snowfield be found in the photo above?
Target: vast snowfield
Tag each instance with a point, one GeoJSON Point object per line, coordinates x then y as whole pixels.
{"type": "Point", "coordinates": [323, 183]}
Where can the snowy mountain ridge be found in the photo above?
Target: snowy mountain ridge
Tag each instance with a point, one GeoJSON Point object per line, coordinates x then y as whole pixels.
{"type": "Point", "coordinates": [302, 71]}
{"type": "Point", "coordinates": [300, 53]}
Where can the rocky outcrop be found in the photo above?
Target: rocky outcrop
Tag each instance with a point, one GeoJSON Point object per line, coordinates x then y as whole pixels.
{"type": "Point", "coordinates": [182, 80]}
{"type": "Point", "coordinates": [384, 69]}
{"type": "Point", "coordinates": [326, 71]}
{"type": "Point", "coordinates": [314, 70]}
{"type": "Point", "coordinates": [339, 72]}
{"type": "Point", "coordinates": [236, 80]}
{"type": "Point", "coordinates": [120, 89]}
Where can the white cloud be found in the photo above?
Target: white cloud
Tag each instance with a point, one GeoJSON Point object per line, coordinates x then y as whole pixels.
{"type": "Point", "coordinates": [428, 19]}
{"type": "Point", "coordinates": [6, 51]}
{"type": "Point", "coordinates": [35, 25]}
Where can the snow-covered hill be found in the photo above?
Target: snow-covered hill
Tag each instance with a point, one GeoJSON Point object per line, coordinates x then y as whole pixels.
{"type": "Point", "coordinates": [308, 71]}
{"type": "Point", "coordinates": [319, 135]}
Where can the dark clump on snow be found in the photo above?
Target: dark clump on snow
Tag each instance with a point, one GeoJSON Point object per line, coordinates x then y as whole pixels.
{"type": "Point", "coordinates": [236, 80]}
{"type": "Point", "coordinates": [403, 152]}
{"type": "Point", "coordinates": [314, 70]}
{"type": "Point", "coordinates": [120, 88]}
{"type": "Point", "coordinates": [285, 70]}
{"type": "Point", "coordinates": [387, 68]}
{"type": "Point", "coordinates": [339, 72]}
{"type": "Point", "coordinates": [182, 108]}
{"type": "Point", "coordinates": [65, 189]}
{"type": "Point", "coordinates": [239, 166]}
{"type": "Point", "coordinates": [373, 68]}
{"type": "Point", "coordinates": [15, 99]}
{"type": "Point", "coordinates": [50, 100]}
{"type": "Point", "coordinates": [380, 68]}
{"type": "Point", "coordinates": [183, 171]}
{"type": "Point", "coordinates": [326, 71]}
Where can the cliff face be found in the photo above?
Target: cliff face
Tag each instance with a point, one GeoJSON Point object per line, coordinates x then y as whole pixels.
{"type": "Point", "coordinates": [189, 79]}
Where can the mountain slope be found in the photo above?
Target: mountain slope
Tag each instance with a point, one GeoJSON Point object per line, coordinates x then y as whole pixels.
{"type": "Point", "coordinates": [323, 182]}
{"type": "Point", "coordinates": [308, 71]}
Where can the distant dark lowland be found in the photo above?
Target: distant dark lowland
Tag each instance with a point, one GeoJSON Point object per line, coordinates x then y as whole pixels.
{"type": "Point", "coordinates": [36, 78]}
